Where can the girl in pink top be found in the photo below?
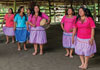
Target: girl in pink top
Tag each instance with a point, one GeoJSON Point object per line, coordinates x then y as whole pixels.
{"type": "Point", "coordinates": [85, 47]}
{"type": "Point", "coordinates": [37, 33]}
{"type": "Point", "coordinates": [67, 24]}
{"type": "Point", "coordinates": [8, 28]}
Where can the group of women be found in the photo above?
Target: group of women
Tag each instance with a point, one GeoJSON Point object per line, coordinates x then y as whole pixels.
{"type": "Point", "coordinates": [78, 31]}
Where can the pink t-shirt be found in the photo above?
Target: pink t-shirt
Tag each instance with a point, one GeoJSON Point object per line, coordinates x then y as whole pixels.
{"type": "Point", "coordinates": [68, 23]}
{"type": "Point", "coordinates": [33, 20]}
{"type": "Point", "coordinates": [84, 29]}
{"type": "Point", "coordinates": [9, 20]}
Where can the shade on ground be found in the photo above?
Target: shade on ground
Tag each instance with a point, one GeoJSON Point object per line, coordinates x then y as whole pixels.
{"type": "Point", "coordinates": [53, 59]}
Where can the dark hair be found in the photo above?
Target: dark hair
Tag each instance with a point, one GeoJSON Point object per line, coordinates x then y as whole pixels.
{"type": "Point", "coordinates": [30, 10]}
{"type": "Point", "coordinates": [33, 12]}
{"type": "Point", "coordinates": [78, 17]}
{"type": "Point", "coordinates": [11, 10]}
{"type": "Point", "coordinates": [19, 10]}
{"type": "Point", "coordinates": [71, 9]}
{"type": "Point", "coordinates": [88, 13]}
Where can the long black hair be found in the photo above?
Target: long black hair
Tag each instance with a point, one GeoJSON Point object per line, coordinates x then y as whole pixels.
{"type": "Point", "coordinates": [11, 10]}
{"type": "Point", "coordinates": [33, 12]}
{"type": "Point", "coordinates": [88, 13]}
{"type": "Point", "coordinates": [19, 10]}
{"type": "Point", "coordinates": [78, 17]}
{"type": "Point", "coordinates": [71, 9]}
{"type": "Point", "coordinates": [30, 10]}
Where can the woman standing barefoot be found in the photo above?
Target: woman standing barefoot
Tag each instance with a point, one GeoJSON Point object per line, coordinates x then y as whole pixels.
{"type": "Point", "coordinates": [37, 33]}
{"type": "Point", "coordinates": [21, 28]}
{"type": "Point", "coordinates": [9, 27]}
{"type": "Point", "coordinates": [85, 28]}
{"type": "Point", "coordinates": [67, 23]}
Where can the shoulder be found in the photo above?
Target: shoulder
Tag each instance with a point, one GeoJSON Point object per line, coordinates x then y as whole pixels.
{"type": "Point", "coordinates": [64, 16]}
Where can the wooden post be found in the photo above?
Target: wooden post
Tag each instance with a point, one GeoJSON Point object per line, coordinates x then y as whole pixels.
{"type": "Point", "coordinates": [49, 8]}
{"type": "Point", "coordinates": [14, 6]}
{"type": "Point", "coordinates": [98, 10]}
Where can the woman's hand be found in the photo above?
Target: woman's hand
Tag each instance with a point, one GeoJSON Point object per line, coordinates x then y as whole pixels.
{"type": "Point", "coordinates": [14, 28]}
{"type": "Point", "coordinates": [71, 30]}
{"type": "Point", "coordinates": [91, 41]}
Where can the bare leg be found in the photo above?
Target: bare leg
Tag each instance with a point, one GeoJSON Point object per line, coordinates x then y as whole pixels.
{"type": "Point", "coordinates": [7, 38]}
{"type": "Point", "coordinates": [71, 53]}
{"type": "Point", "coordinates": [67, 50]}
{"type": "Point", "coordinates": [13, 39]}
{"type": "Point", "coordinates": [82, 61]}
{"type": "Point", "coordinates": [25, 46]}
{"type": "Point", "coordinates": [35, 48]}
{"type": "Point", "coordinates": [86, 62]}
{"type": "Point", "coordinates": [41, 49]}
{"type": "Point", "coordinates": [19, 47]}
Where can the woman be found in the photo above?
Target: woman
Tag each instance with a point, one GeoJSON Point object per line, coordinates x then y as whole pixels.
{"type": "Point", "coordinates": [85, 28]}
{"type": "Point", "coordinates": [20, 27]}
{"type": "Point", "coordinates": [67, 23]}
{"type": "Point", "coordinates": [37, 33]}
{"type": "Point", "coordinates": [28, 14]}
{"type": "Point", "coordinates": [8, 29]}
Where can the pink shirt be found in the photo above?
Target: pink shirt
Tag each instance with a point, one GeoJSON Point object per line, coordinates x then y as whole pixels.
{"type": "Point", "coordinates": [84, 29]}
{"type": "Point", "coordinates": [9, 20]}
{"type": "Point", "coordinates": [33, 19]}
{"type": "Point", "coordinates": [68, 23]}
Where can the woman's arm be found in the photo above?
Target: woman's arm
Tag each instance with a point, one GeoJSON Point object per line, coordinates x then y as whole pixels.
{"type": "Point", "coordinates": [74, 32]}
{"type": "Point", "coordinates": [31, 24]}
{"type": "Point", "coordinates": [15, 25]}
{"type": "Point", "coordinates": [92, 36]}
{"type": "Point", "coordinates": [62, 26]}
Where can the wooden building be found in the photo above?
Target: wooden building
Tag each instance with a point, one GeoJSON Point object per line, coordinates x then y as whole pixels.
{"type": "Point", "coordinates": [54, 8]}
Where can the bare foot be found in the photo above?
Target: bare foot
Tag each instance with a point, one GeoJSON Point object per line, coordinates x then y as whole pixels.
{"type": "Point", "coordinates": [85, 67]}
{"type": "Point", "coordinates": [6, 42]}
{"type": "Point", "coordinates": [71, 56]}
{"type": "Point", "coordinates": [19, 49]}
{"type": "Point", "coordinates": [35, 53]}
{"type": "Point", "coordinates": [67, 54]}
{"type": "Point", "coordinates": [25, 49]}
{"type": "Point", "coordinates": [81, 67]}
{"type": "Point", "coordinates": [41, 53]}
{"type": "Point", "coordinates": [13, 41]}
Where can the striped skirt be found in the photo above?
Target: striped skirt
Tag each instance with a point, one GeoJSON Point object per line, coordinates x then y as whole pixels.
{"type": "Point", "coordinates": [9, 31]}
{"type": "Point", "coordinates": [37, 35]}
{"type": "Point", "coordinates": [21, 34]}
{"type": "Point", "coordinates": [67, 40]}
{"type": "Point", "coordinates": [83, 47]}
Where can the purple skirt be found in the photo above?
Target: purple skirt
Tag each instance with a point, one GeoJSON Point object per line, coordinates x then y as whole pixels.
{"type": "Point", "coordinates": [9, 31]}
{"type": "Point", "coordinates": [84, 48]}
{"type": "Point", "coordinates": [67, 40]}
{"type": "Point", "coordinates": [37, 35]}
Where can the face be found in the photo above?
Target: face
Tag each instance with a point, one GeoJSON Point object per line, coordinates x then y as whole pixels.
{"type": "Point", "coordinates": [28, 11]}
{"type": "Point", "coordinates": [36, 9]}
{"type": "Point", "coordinates": [10, 11]}
{"type": "Point", "coordinates": [81, 12]}
{"type": "Point", "coordinates": [22, 10]}
{"type": "Point", "coordinates": [70, 12]}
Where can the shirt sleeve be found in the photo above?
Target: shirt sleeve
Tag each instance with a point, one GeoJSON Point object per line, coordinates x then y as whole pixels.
{"type": "Point", "coordinates": [45, 16]}
{"type": "Point", "coordinates": [16, 18]}
{"type": "Point", "coordinates": [62, 20]}
{"type": "Point", "coordinates": [74, 22]}
{"type": "Point", "coordinates": [92, 23]}
{"type": "Point", "coordinates": [30, 18]}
